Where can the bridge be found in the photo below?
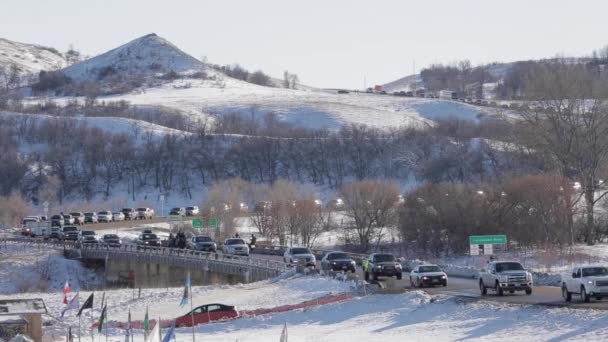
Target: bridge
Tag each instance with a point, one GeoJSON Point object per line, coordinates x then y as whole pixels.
{"type": "Point", "coordinates": [252, 268]}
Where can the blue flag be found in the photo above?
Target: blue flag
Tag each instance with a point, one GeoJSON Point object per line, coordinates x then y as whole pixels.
{"type": "Point", "coordinates": [170, 334]}
{"type": "Point", "coordinates": [186, 295]}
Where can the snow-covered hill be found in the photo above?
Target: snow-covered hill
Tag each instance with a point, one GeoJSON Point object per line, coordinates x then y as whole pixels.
{"type": "Point", "coordinates": [29, 58]}
{"type": "Point", "coordinates": [147, 55]}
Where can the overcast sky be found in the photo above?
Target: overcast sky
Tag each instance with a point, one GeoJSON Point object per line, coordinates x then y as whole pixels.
{"type": "Point", "coordinates": [328, 43]}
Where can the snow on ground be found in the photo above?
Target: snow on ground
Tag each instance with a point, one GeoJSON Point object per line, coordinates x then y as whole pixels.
{"type": "Point", "coordinates": [551, 261]}
{"type": "Point", "coordinates": [413, 316]}
{"type": "Point", "coordinates": [136, 128]}
{"type": "Point", "coordinates": [313, 109]}
{"type": "Point", "coordinates": [26, 268]}
{"type": "Point", "coordinates": [29, 58]}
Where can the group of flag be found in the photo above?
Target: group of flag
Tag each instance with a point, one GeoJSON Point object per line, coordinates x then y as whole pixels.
{"type": "Point", "coordinates": [154, 336]}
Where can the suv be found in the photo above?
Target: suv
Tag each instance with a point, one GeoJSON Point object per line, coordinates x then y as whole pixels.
{"type": "Point", "coordinates": [144, 213]}
{"type": "Point", "coordinates": [147, 240]}
{"type": "Point", "coordinates": [111, 240]}
{"type": "Point", "coordinates": [85, 233]}
{"type": "Point", "coordinates": [192, 211]}
{"type": "Point", "coordinates": [130, 213]}
{"type": "Point", "coordinates": [203, 243]}
{"type": "Point", "coordinates": [56, 233]}
{"type": "Point", "coordinates": [78, 218]}
{"type": "Point", "coordinates": [68, 219]}
{"type": "Point", "coordinates": [57, 220]}
{"type": "Point", "coordinates": [385, 265]}
{"type": "Point", "coordinates": [586, 282]}
{"type": "Point", "coordinates": [104, 216]}
{"type": "Point", "coordinates": [505, 276]}
{"type": "Point", "coordinates": [294, 255]}
{"type": "Point", "coordinates": [90, 218]}
{"type": "Point", "coordinates": [338, 261]}
{"type": "Point", "coordinates": [70, 233]}
{"type": "Point", "coordinates": [178, 212]}
{"type": "Point", "coordinates": [235, 246]}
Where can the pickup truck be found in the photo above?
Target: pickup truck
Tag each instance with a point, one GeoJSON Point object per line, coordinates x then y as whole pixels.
{"type": "Point", "coordinates": [586, 282]}
{"type": "Point", "coordinates": [503, 276]}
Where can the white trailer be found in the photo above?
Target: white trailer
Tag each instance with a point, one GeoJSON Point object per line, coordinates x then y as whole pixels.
{"type": "Point", "coordinates": [448, 95]}
{"type": "Point", "coordinates": [39, 229]}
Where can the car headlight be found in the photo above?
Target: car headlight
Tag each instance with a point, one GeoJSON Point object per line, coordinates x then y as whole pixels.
{"type": "Point", "coordinates": [502, 278]}
{"type": "Point", "coordinates": [590, 282]}
{"type": "Point", "coordinates": [352, 262]}
{"type": "Point", "coordinates": [333, 262]}
{"type": "Point", "coordinates": [528, 276]}
{"type": "Point", "coordinates": [398, 266]}
{"type": "Point", "coordinates": [443, 277]}
{"type": "Point", "coordinates": [425, 278]}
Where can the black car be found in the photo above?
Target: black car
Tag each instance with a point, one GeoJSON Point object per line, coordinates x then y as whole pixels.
{"type": "Point", "coordinates": [57, 220]}
{"type": "Point", "coordinates": [203, 243]}
{"type": "Point", "coordinates": [148, 240]}
{"type": "Point", "coordinates": [89, 239]}
{"type": "Point", "coordinates": [90, 218]}
{"type": "Point", "coordinates": [178, 212]}
{"type": "Point", "coordinates": [382, 265]}
{"type": "Point", "coordinates": [338, 261]}
{"type": "Point", "coordinates": [130, 213]}
{"type": "Point", "coordinates": [111, 240]}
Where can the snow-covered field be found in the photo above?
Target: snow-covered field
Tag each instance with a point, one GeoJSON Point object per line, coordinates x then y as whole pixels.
{"type": "Point", "coordinates": [25, 268]}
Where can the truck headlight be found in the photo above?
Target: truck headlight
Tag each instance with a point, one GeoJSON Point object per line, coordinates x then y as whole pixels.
{"type": "Point", "coordinates": [502, 278]}
{"type": "Point", "coordinates": [353, 262]}
{"type": "Point", "coordinates": [398, 266]}
{"type": "Point", "coordinates": [590, 282]}
{"type": "Point", "coordinates": [425, 278]}
{"type": "Point", "coordinates": [443, 277]}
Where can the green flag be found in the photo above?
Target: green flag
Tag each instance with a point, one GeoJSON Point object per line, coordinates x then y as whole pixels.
{"type": "Point", "coordinates": [102, 318]}
{"type": "Point", "coordinates": [146, 322]}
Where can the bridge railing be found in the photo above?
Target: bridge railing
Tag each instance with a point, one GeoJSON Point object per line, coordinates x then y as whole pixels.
{"type": "Point", "coordinates": [155, 251]}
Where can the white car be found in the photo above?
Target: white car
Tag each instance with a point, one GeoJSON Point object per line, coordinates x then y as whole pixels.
{"type": "Point", "coordinates": [294, 255]}
{"type": "Point", "coordinates": [428, 275]}
{"type": "Point", "coordinates": [236, 247]}
{"type": "Point", "coordinates": [587, 282]}
{"type": "Point", "coordinates": [118, 216]}
{"type": "Point", "coordinates": [104, 216]}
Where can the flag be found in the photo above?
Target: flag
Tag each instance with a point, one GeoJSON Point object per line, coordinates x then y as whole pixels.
{"type": "Point", "coordinates": [128, 333]}
{"type": "Point", "coordinates": [102, 318]}
{"type": "Point", "coordinates": [284, 333]}
{"type": "Point", "coordinates": [72, 305]}
{"type": "Point", "coordinates": [170, 334]}
{"type": "Point", "coordinates": [66, 288]}
{"type": "Point", "coordinates": [70, 337]}
{"type": "Point", "coordinates": [155, 335]}
{"type": "Point", "coordinates": [88, 304]}
{"type": "Point", "coordinates": [186, 295]}
{"type": "Point", "coordinates": [146, 322]}
{"type": "Point", "coordinates": [103, 299]}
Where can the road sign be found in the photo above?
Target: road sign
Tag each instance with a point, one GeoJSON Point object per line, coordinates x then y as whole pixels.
{"type": "Point", "coordinates": [488, 249]}
{"type": "Point", "coordinates": [474, 249]}
{"type": "Point", "coordinates": [174, 218]}
{"type": "Point", "coordinates": [488, 240]}
{"type": "Point", "coordinates": [196, 223]}
{"type": "Point", "coordinates": [213, 222]}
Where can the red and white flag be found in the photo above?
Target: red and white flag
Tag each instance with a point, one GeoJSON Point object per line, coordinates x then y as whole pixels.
{"type": "Point", "coordinates": [66, 292]}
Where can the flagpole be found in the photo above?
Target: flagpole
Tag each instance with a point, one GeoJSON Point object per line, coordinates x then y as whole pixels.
{"type": "Point", "coordinates": [191, 309]}
{"type": "Point", "coordinates": [79, 324]}
{"type": "Point", "coordinates": [106, 322]}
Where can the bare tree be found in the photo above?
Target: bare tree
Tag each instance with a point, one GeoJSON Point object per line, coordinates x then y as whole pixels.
{"type": "Point", "coordinates": [12, 209]}
{"type": "Point", "coordinates": [371, 206]}
{"type": "Point", "coordinates": [568, 122]}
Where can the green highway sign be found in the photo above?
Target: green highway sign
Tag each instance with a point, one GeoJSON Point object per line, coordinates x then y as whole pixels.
{"type": "Point", "coordinates": [213, 222]}
{"type": "Point", "coordinates": [488, 240]}
{"type": "Point", "coordinates": [196, 223]}
{"type": "Point", "coordinates": [173, 218]}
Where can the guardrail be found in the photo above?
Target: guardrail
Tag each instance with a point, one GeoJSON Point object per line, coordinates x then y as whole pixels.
{"type": "Point", "coordinates": [173, 256]}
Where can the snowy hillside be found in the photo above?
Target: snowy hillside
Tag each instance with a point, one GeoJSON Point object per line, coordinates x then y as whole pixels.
{"type": "Point", "coordinates": [149, 54]}
{"type": "Point", "coordinates": [311, 109]}
{"type": "Point", "coordinates": [403, 84]}
{"type": "Point", "coordinates": [29, 58]}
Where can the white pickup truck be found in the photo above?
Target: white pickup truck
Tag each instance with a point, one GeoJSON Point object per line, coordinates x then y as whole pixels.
{"type": "Point", "coordinates": [585, 281]}
{"type": "Point", "coordinates": [501, 276]}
